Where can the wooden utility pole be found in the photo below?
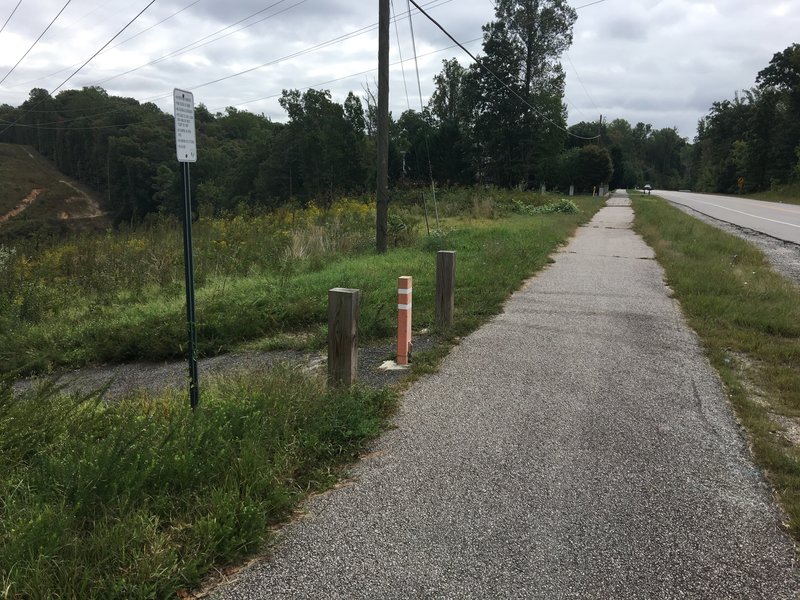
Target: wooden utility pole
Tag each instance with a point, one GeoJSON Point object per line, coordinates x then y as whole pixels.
{"type": "Point", "coordinates": [382, 220]}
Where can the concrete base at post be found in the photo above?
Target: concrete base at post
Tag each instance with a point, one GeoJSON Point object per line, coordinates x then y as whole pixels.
{"type": "Point", "coordinates": [391, 365]}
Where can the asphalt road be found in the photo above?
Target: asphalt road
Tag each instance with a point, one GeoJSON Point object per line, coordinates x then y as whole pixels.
{"type": "Point", "coordinates": [780, 221]}
{"type": "Point", "coordinates": [577, 446]}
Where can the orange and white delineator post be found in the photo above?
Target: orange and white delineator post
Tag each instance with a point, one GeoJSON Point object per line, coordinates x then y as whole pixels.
{"type": "Point", "coordinates": [404, 290]}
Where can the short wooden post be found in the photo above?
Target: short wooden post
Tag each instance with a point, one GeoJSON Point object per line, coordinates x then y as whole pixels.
{"type": "Point", "coordinates": [343, 307]}
{"type": "Point", "coordinates": [445, 287]}
{"type": "Point", "coordinates": [404, 293]}
{"type": "Point", "coordinates": [572, 190]}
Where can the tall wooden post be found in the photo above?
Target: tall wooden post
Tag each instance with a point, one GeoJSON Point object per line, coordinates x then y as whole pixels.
{"type": "Point", "coordinates": [445, 287]}
{"type": "Point", "coordinates": [343, 307]}
{"type": "Point", "coordinates": [382, 219]}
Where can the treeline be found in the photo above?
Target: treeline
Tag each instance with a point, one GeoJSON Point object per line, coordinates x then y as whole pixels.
{"type": "Point", "coordinates": [755, 138]}
{"type": "Point", "coordinates": [500, 123]}
{"type": "Point", "coordinates": [126, 150]}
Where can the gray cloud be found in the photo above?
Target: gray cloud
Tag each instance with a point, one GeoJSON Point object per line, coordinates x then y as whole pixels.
{"type": "Point", "coordinates": [658, 61]}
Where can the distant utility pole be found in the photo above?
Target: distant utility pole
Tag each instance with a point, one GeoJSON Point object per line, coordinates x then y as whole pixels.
{"type": "Point", "coordinates": [600, 131]}
{"type": "Point", "coordinates": [382, 220]}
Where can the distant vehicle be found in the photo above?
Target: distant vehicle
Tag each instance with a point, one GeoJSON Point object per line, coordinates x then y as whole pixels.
{"type": "Point", "coordinates": [647, 188]}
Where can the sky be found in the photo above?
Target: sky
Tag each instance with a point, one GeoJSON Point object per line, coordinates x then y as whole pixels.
{"type": "Point", "coordinates": [661, 62]}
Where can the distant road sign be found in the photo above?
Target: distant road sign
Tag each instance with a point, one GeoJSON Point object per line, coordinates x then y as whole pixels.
{"type": "Point", "coordinates": [185, 138]}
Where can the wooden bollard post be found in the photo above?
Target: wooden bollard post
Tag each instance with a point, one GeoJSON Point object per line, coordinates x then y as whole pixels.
{"type": "Point", "coordinates": [445, 287]}
{"type": "Point", "coordinates": [343, 307]}
{"type": "Point", "coordinates": [404, 293]}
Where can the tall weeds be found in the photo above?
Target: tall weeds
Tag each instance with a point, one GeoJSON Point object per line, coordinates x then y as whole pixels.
{"type": "Point", "coordinates": [136, 499]}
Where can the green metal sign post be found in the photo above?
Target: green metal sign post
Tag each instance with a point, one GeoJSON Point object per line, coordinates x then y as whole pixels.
{"type": "Point", "coordinates": [186, 148]}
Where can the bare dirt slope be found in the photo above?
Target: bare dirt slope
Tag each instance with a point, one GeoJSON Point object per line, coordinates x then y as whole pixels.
{"type": "Point", "coordinates": [31, 188]}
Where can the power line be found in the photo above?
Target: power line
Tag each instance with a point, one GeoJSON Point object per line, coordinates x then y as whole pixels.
{"type": "Point", "coordinates": [352, 34]}
{"type": "Point", "coordinates": [197, 43]}
{"type": "Point", "coordinates": [9, 16]}
{"type": "Point", "coordinates": [162, 21]}
{"type": "Point", "coordinates": [400, 51]}
{"type": "Point", "coordinates": [590, 4]}
{"type": "Point", "coordinates": [416, 62]}
{"type": "Point", "coordinates": [116, 35]}
{"type": "Point", "coordinates": [493, 74]}
{"type": "Point", "coordinates": [421, 111]}
{"type": "Point", "coordinates": [44, 126]}
{"type": "Point", "coordinates": [125, 41]}
{"type": "Point", "coordinates": [36, 42]}
{"type": "Point", "coordinates": [308, 50]}
{"type": "Point", "coordinates": [194, 46]}
{"type": "Point", "coordinates": [433, 4]}
{"type": "Point", "coordinates": [581, 81]}
{"type": "Point", "coordinates": [141, 12]}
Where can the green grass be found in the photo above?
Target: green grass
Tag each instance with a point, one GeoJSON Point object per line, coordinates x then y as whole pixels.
{"type": "Point", "coordinates": [140, 498]}
{"type": "Point", "coordinates": [788, 194]}
{"type": "Point", "coordinates": [51, 323]}
{"type": "Point", "coordinates": [748, 318]}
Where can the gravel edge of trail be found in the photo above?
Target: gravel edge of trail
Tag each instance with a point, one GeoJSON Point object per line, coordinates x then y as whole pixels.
{"type": "Point", "coordinates": [782, 255]}
{"type": "Point", "coordinates": [124, 380]}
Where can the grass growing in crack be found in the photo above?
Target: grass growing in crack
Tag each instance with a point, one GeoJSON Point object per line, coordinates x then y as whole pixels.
{"type": "Point", "coordinates": [140, 498]}
{"type": "Point", "coordinates": [748, 318]}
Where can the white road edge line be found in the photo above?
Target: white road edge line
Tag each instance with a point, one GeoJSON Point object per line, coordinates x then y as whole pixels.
{"type": "Point", "coordinates": [744, 213]}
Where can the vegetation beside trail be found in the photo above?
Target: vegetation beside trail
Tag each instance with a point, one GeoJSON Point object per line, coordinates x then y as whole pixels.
{"type": "Point", "coordinates": [748, 318]}
{"type": "Point", "coordinates": [143, 498]}
{"type": "Point", "coordinates": [138, 499]}
{"type": "Point", "coordinates": [788, 194]}
{"type": "Point", "coordinates": [109, 297]}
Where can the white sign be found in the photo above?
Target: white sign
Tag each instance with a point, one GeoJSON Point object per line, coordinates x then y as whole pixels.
{"type": "Point", "coordinates": [185, 138]}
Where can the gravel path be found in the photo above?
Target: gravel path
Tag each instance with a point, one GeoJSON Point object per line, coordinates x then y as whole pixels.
{"type": "Point", "coordinates": [578, 446]}
{"type": "Point", "coordinates": [123, 380]}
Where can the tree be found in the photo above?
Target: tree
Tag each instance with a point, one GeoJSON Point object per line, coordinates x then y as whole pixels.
{"type": "Point", "coordinates": [594, 167]}
{"type": "Point", "coordinates": [325, 146]}
{"type": "Point", "coordinates": [518, 124]}
{"type": "Point", "coordinates": [446, 101]}
{"type": "Point", "coordinates": [783, 71]}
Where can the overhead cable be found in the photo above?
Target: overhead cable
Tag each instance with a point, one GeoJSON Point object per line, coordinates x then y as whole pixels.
{"type": "Point", "coordinates": [116, 35]}
{"type": "Point", "coordinates": [590, 4]}
{"type": "Point", "coordinates": [202, 41]}
{"type": "Point", "coordinates": [117, 45]}
{"type": "Point", "coordinates": [141, 12]}
{"type": "Point", "coordinates": [581, 81]}
{"type": "Point", "coordinates": [497, 77]}
{"type": "Point", "coordinates": [400, 51]}
{"type": "Point", "coordinates": [36, 42]}
{"type": "Point", "coordinates": [62, 122]}
{"type": "Point", "coordinates": [9, 16]}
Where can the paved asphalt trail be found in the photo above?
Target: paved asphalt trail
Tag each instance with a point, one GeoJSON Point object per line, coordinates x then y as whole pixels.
{"type": "Point", "coordinates": [781, 221]}
{"type": "Point", "coordinates": [578, 446]}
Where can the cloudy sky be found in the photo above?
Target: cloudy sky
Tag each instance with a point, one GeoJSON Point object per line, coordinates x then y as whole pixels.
{"type": "Point", "coordinates": [658, 61]}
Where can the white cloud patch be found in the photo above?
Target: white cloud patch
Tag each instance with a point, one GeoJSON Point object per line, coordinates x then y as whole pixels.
{"type": "Point", "coordinates": [658, 61]}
